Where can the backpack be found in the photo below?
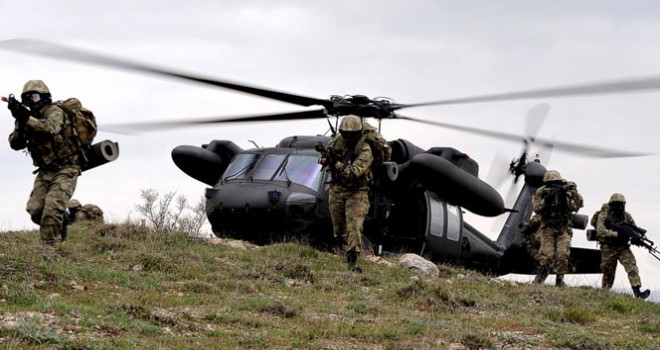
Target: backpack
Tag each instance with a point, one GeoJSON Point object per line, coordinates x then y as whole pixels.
{"type": "Point", "coordinates": [594, 218]}
{"type": "Point", "coordinates": [557, 206]}
{"type": "Point", "coordinates": [379, 148]}
{"type": "Point", "coordinates": [83, 125]}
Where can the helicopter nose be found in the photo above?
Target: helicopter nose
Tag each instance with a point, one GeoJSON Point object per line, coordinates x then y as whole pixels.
{"type": "Point", "coordinates": [258, 213]}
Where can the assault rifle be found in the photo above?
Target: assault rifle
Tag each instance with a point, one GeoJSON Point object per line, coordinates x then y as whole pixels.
{"type": "Point", "coordinates": [15, 106]}
{"type": "Point", "coordinates": [329, 156]}
{"type": "Point", "coordinates": [637, 236]}
{"type": "Point", "coordinates": [19, 112]}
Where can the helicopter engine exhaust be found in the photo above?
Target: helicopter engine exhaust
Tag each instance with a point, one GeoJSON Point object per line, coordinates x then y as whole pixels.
{"type": "Point", "coordinates": [206, 163]}
{"type": "Point", "coordinates": [456, 185]}
{"type": "Point", "coordinates": [390, 170]}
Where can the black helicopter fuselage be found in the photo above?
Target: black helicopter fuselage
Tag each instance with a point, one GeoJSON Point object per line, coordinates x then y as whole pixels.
{"type": "Point", "coordinates": [266, 195]}
{"type": "Point", "coordinates": [269, 194]}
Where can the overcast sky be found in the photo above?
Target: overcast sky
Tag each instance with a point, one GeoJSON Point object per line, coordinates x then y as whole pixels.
{"type": "Point", "coordinates": [413, 51]}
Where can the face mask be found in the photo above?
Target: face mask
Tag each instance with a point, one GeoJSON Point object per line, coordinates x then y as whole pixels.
{"type": "Point", "coordinates": [617, 207]}
{"type": "Point", "coordinates": [30, 99]}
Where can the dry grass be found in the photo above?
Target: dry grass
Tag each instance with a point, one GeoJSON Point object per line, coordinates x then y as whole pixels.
{"type": "Point", "coordinates": [127, 287]}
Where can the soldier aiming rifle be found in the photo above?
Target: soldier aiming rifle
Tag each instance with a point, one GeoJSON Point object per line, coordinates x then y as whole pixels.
{"type": "Point", "coordinates": [616, 230]}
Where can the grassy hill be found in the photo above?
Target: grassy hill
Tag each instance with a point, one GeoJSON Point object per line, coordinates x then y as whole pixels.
{"type": "Point", "coordinates": [125, 287]}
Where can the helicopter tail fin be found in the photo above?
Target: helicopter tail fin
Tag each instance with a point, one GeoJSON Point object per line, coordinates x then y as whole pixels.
{"type": "Point", "coordinates": [510, 234]}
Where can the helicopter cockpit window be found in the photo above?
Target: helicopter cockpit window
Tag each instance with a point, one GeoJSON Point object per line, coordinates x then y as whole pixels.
{"type": "Point", "coordinates": [239, 167]}
{"type": "Point", "coordinates": [303, 170]}
{"type": "Point", "coordinates": [268, 166]}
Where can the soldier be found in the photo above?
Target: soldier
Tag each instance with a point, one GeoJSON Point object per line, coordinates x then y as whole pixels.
{"type": "Point", "coordinates": [48, 135]}
{"type": "Point", "coordinates": [84, 213]}
{"type": "Point", "coordinates": [556, 203]}
{"type": "Point", "coordinates": [532, 239]}
{"type": "Point", "coordinates": [349, 189]}
{"type": "Point", "coordinates": [615, 246]}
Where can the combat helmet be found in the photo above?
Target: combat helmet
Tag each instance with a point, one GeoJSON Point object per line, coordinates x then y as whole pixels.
{"type": "Point", "coordinates": [617, 197]}
{"type": "Point", "coordinates": [350, 128]}
{"type": "Point", "coordinates": [36, 86]}
{"type": "Point", "coordinates": [36, 95]}
{"type": "Point", "coordinates": [552, 176]}
{"type": "Point", "coordinates": [74, 203]}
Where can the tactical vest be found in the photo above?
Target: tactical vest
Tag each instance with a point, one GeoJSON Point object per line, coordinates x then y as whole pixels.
{"type": "Point", "coordinates": [347, 156]}
{"type": "Point", "coordinates": [47, 150]}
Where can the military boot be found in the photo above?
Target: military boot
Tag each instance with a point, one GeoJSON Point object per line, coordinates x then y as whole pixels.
{"type": "Point", "coordinates": [541, 275]}
{"type": "Point", "coordinates": [559, 282]}
{"type": "Point", "coordinates": [639, 294]}
{"type": "Point", "coordinates": [351, 259]}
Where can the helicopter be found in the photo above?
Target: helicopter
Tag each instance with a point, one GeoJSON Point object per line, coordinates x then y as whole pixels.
{"type": "Point", "coordinates": [266, 195]}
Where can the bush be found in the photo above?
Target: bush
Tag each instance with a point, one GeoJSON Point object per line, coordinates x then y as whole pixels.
{"type": "Point", "coordinates": [172, 213]}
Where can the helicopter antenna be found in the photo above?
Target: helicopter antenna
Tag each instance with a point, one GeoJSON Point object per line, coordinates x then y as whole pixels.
{"type": "Point", "coordinates": [254, 143]}
{"type": "Point", "coordinates": [334, 132]}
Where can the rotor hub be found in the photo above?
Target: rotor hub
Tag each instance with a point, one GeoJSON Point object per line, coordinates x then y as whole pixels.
{"type": "Point", "coordinates": [360, 105]}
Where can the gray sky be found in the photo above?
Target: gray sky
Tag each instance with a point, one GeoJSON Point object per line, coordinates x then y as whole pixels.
{"type": "Point", "coordinates": [413, 51]}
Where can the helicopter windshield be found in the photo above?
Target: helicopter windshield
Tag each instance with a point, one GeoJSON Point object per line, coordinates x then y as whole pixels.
{"type": "Point", "coordinates": [237, 169]}
{"type": "Point", "coordinates": [301, 169]}
{"type": "Point", "coordinates": [268, 166]}
{"type": "Point", "coordinates": [304, 170]}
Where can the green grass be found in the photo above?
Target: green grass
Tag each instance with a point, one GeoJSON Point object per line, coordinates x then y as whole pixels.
{"type": "Point", "coordinates": [125, 287]}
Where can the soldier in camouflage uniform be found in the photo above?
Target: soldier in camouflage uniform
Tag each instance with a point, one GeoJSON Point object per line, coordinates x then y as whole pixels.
{"type": "Point", "coordinates": [349, 189]}
{"type": "Point", "coordinates": [84, 213]}
{"type": "Point", "coordinates": [48, 135]}
{"type": "Point", "coordinates": [615, 246]}
{"type": "Point", "coordinates": [532, 240]}
{"type": "Point", "coordinates": [556, 203]}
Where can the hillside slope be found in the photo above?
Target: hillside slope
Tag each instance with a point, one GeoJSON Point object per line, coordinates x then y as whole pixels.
{"type": "Point", "coordinates": [125, 287]}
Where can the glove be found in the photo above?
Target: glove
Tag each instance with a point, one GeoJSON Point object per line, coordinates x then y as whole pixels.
{"type": "Point", "coordinates": [623, 236]}
{"type": "Point", "coordinates": [19, 112]}
{"type": "Point", "coordinates": [339, 165]}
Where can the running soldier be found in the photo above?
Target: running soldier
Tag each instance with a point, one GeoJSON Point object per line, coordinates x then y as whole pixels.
{"type": "Point", "coordinates": [615, 246]}
{"type": "Point", "coordinates": [350, 165]}
{"type": "Point", "coordinates": [556, 202]}
{"type": "Point", "coordinates": [49, 138]}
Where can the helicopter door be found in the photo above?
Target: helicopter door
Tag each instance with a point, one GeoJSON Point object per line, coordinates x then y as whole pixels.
{"type": "Point", "coordinates": [444, 228]}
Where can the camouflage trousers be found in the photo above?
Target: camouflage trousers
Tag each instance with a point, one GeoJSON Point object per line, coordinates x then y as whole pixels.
{"type": "Point", "coordinates": [347, 210]}
{"type": "Point", "coordinates": [609, 255]}
{"type": "Point", "coordinates": [534, 248]}
{"type": "Point", "coordinates": [555, 248]}
{"type": "Point", "coordinates": [49, 200]}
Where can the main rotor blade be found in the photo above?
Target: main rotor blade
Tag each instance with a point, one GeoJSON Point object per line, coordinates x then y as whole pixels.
{"type": "Point", "coordinates": [40, 48]}
{"type": "Point", "coordinates": [158, 125]}
{"type": "Point", "coordinates": [590, 151]}
{"type": "Point", "coordinates": [490, 133]}
{"type": "Point", "coordinates": [535, 118]}
{"type": "Point", "coordinates": [563, 146]}
{"type": "Point", "coordinates": [627, 85]}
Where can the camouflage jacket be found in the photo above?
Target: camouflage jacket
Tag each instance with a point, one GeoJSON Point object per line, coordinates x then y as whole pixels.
{"type": "Point", "coordinates": [48, 137]}
{"type": "Point", "coordinates": [352, 171]}
{"type": "Point", "coordinates": [554, 216]}
{"type": "Point", "coordinates": [607, 236]}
